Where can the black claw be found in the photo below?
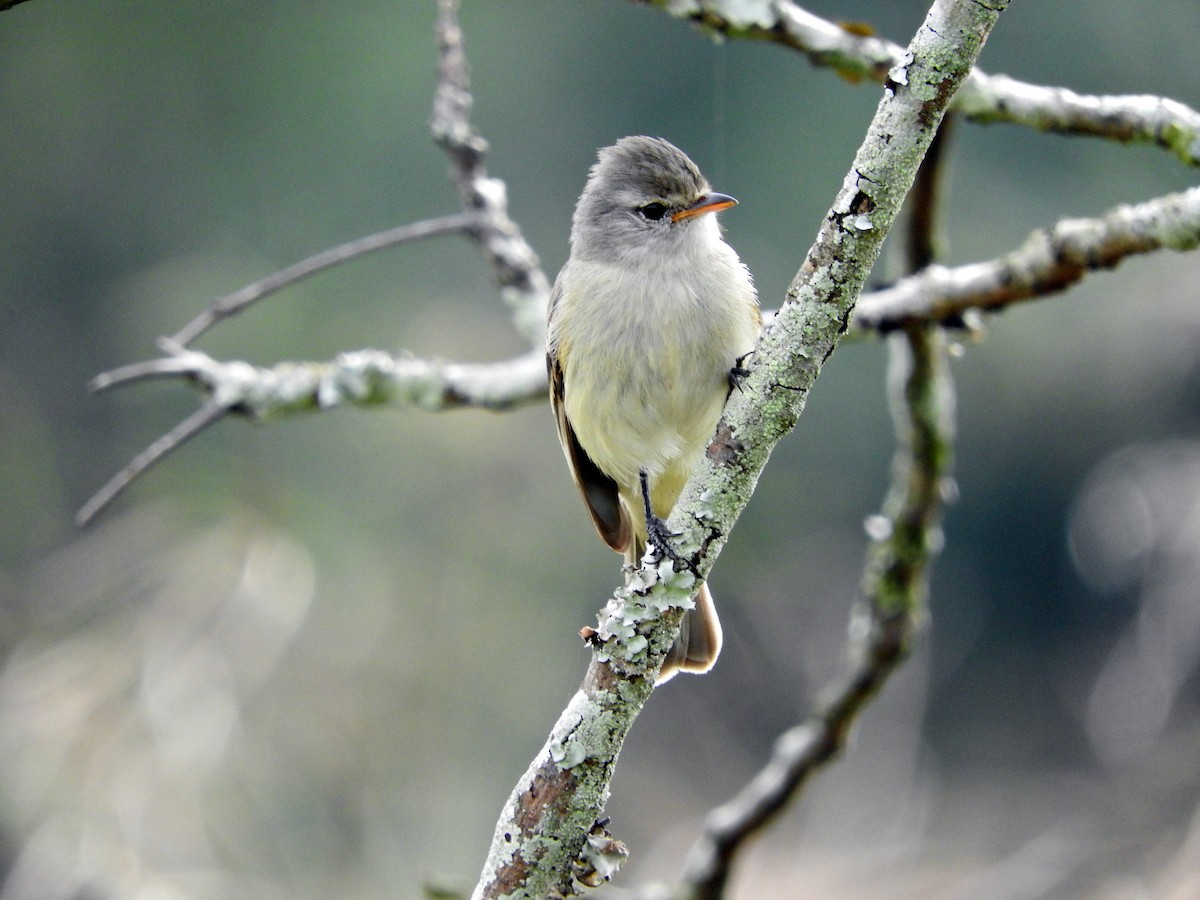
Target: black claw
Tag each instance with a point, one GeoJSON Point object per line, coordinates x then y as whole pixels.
{"type": "Point", "coordinates": [657, 535]}
{"type": "Point", "coordinates": [738, 373]}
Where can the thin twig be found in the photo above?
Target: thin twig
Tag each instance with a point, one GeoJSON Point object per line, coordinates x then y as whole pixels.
{"type": "Point", "coordinates": [232, 304]}
{"type": "Point", "coordinates": [361, 378]}
{"type": "Point", "coordinates": [206, 415]}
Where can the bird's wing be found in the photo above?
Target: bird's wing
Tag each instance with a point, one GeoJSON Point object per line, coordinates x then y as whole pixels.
{"type": "Point", "coordinates": [599, 491]}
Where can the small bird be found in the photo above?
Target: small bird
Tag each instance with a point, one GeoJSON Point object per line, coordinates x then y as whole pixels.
{"type": "Point", "coordinates": [649, 321]}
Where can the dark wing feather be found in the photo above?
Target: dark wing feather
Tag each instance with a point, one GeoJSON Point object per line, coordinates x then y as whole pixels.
{"type": "Point", "coordinates": [599, 491]}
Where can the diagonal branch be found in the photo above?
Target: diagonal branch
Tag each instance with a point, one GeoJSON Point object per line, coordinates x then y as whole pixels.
{"type": "Point", "coordinates": [984, 98]}
{"type": "Point", "coordinates": [232, 304]}
{"type": "Point", "coordinates": [544, 829]}
{"type": "Point", "coordinates": [167, 444]}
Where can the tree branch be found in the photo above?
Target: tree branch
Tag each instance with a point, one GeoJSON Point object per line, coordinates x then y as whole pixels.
{"type": "Point", "coordinates": [545, 824]}
{"type": "Point", "coordinates": [984, 98]}
{"type": "Point", "coordinates": [369, 377]}
{"type": "Point", "coordinates": [232, 304]}
{"type": "Point", "coordinates": [904, 539]}
{"type": "Point", "coordinates": [360, 378]}
{"type": "Point", "coordinates": [1051, 260]}
{"type": "Point", "coordinates": [206, 415]}
{"type": "Point", "coordinates": [523, 284]}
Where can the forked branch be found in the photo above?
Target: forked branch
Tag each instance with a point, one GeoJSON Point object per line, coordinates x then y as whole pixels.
{"type": "Point", "coordinates": [367, 377]}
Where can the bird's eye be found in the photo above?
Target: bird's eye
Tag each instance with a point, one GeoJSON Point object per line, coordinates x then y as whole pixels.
{"type": "Point", "coordinates": [654, 211]}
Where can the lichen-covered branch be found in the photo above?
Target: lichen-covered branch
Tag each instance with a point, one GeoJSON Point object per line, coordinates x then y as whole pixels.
{"type": "Point", "coordinates": [544, 827]}
{"type": "Point", "coordinates": [359, 378]}
{"type": "Point", "coordinates": [905, 538]}
{"type": "Point", "coordinates": [1050, 260]}
{"type": "Point", "coordinates": [984, 98]}
{"type": "Point", "coordinates": [853, 55]}
{"type": "Point", "coordinates": [1128, 118]}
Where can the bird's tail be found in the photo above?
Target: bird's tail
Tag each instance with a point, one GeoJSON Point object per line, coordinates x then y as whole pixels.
{"type": "Point", "coordinates": [699, 642]}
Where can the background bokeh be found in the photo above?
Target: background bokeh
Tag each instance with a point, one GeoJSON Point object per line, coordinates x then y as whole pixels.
{"type": "Point", "coordinates": [308, 658]}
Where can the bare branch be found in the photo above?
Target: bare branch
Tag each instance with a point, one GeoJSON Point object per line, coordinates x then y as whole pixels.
{"type": "Point", "coordinates": [1051, 260]}
{"type": "Point", "coordinates": [362, 378]}
{"type": "Point", "coordinates": [825, 43]}
{"type": "Point", "coordinates": [232, 304]}
{"type": "Point", "coordinates": [518, 272]}
{"type": "Point", "coordinates": [984, 98]}
{"type": "Point", "coordinates": [1144, 119]}
{"type": "Point", "coordinates": [543, 827]}
{"type": "Point", "coordinates": [206, 415]}
{"type": "Point", "coordinates": [906, 536]}
{"type": "Point", "coordinates": [370, 377]}
{"type": "Point", "coordinates": [357, 378]}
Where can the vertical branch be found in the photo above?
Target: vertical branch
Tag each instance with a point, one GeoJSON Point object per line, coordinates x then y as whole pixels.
{"type": "Point", "coordinates": [905, 537]}
{"type": "Point", "coordinates": [907, 532]}
{"type": "Point", "coordinates": [518, 272]}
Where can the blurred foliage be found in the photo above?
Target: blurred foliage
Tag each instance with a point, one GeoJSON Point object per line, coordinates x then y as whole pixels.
{"type": "Point", "coordinates": [308, 659]}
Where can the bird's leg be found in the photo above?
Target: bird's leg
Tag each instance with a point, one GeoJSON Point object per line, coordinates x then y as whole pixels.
{"type": "Point", "coordinates": [738, 372]}
{"type": "Point", "coordinates": [657, 535]}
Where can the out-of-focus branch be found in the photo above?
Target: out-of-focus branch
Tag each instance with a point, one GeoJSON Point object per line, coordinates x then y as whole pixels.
{"type": "Point", "coordinates": [1128, 118]}
{"type": "Point", "coordinates": [1051, 260]}
{"type": "Point", "coordinates": [369, 377]}
{"type": "Point", "coordinates": [984, 98]}
{"type": "Point", "coordinates": [522, 282]}
{"type": "Point", "coordinates": [232, 304]}
{"type": "Point", "coordinates": [545, 831]}
{"type": "Point", "coordinates": [360, 378]}
{"type": "Point", "coordinates": [485, 217]}
{"type": "Point", "coordinates": [904, 538]}
{"type": "Point", "coordinates": [853, 55]}
{"type": "Point", "coordinates": [208, 413]}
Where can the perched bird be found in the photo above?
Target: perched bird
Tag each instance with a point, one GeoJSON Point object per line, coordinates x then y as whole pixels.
{"type": "Point", "coordinates": [649, 320]}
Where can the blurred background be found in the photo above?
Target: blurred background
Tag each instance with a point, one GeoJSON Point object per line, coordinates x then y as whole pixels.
{"type": "Point", "coordinates": [309, 658]}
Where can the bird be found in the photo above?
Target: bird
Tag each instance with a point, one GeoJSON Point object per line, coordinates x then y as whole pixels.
{"type": "Point", "coordinates": [648, 324]}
